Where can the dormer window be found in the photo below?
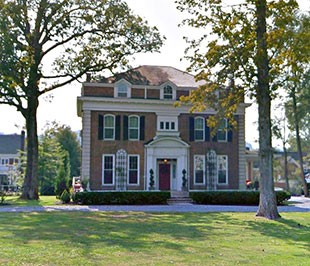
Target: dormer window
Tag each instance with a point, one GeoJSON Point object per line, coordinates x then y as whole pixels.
{"type": "Point", "coordinates": [122, 91]}
{"type": "Point", "coordinates": [168, 93]}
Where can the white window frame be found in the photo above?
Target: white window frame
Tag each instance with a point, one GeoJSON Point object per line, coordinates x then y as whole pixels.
{"type": "Point", "coordinates": [138, 170]}
{"type": "Point", "coordinates": [113, 170]}
{"type": "Point", "coordinates": [218, 169]}
{"type": "Point", "coordinates": [203, 128]}
{"type": "Point", "coordinates": [138, 128]}
{"type": "Point", "coordinates": [223, 129]}
{"type": "Point", "coordinates": [105, 127]}
{"type": "Point", "coordinates": [121, 84]}
{"type": "Point", "coordinates": [203, 169]}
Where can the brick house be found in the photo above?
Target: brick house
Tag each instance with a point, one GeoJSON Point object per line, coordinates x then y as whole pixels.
{"type": "Point", "coordinates": [131, 128]}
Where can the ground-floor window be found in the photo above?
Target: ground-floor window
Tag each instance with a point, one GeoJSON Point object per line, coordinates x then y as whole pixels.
{"type": "Point", "coordinates": [133, 169]}
{"type": "Point", "coordinates": [108, 169]}
{"type": "Point", "coordinates": [199, 166]}
{"type": "Point", "coordinates": [210, 169]}
{"type": "Point", "coordinates": [222, 169]}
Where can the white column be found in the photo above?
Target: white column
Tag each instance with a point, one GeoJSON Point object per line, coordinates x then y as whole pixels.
{"type": "Point", "coordinates": [86, 134]}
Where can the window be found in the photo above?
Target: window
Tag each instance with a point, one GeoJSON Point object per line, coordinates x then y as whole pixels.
{"type": "Point", "coordinates": [161, 125]}
{"type": "Point", "coordinates": [167, 125]}
{"type": "Point", "coordinates": [109, 123]}
{"type": "Point", "coordinates": [108, 170]}
{"type": "Point", "coordinates": [122, 90]}
{"type": "Point", "coordinates": [133, 169]}
{"type": "Point", "coordinates": [199, 128]}
{"type": "Point", "coordinates": [199, 167]}
{"type": "Point", "coordinates": [222, 131]}
{"type": "Point", "coordinates": [168, 93]}
{"type": "Point", "coordinates": [222, 167]}
{"type": "Point", "coordinates": [133, 127]}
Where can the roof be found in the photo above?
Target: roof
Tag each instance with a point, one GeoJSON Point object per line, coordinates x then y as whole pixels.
{"type": "Point", "coordinates": [155, 76]}
{"type": "Point", "coordinates": [10, 144]}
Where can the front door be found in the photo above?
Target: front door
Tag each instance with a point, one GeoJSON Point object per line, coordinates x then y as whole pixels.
{"type": "Point", "coordinates": [164, 176]}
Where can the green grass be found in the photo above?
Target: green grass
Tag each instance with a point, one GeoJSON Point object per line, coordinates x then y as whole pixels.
{"type": "Point", "coordinates": [132, 238]}
{"type": "Point", "coordinates": [43, 201]}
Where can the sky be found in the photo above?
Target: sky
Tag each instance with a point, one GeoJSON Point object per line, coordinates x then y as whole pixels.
{"type": "Point", "coordinates": [60, 105]}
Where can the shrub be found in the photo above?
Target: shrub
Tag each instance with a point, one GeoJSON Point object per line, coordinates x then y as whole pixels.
{"type": "Point", "coordinates": [121, 198]}
{"type": "Point", "coordinates": [65, 197]}
{"type": "Point", "coordinates": [2, 196]}
{"type": "Point", "coordinates": [234, 197]}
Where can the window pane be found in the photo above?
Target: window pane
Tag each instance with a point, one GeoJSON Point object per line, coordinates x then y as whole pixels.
{"type": "Point", "coordinates": [108, 133]}
{"type": "Point", "coordinates": [109, 121]}
{"type": "Point", "coordinates": [108, 170]}
{"type": "Point", "coordinates": [222, 169]}
{"type": "Point", "coordinates": [172, 125]}
{"type": "Point", "coordinates": [161, 125]}
{"type": "Point", "coordinates": [133, 170]}
{"type": "Point", "coordinates": [222, 176]}
{"type": "Point", "coordinates": [199, 176]}
{"type": "Point", "coordinates": [199, 123]}
{"type": "Point", "coordinates": [168, 92]}
{"type": "Point", "coordinates": [133, 121]}
{"type": "Point", "coordinates": [122, 90]}
{"type": "Point", "coordinates": [133, 133]}
{"type": "Point", "coordinates": [167, 125]}
{"type": "Point", "coordinates": [198, 134]}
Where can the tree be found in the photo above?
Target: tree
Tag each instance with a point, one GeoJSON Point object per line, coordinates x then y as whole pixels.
{"type": "Point", "coordinates": [297, 83]}
{"type": "Point", "coordinates": [69, 142]}
{"type": "Point", "coordinates": [239, 52]}
{"type": "Point", "coordinates": [51, 158]}
{"type": "Point", "coordinates": [63, 176]}
{"type": "Point", "coordinates": [46, 44]}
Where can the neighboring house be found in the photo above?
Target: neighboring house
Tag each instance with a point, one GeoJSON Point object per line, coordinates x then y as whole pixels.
{"type": "Point", "coordinates": [10, 147]}
{"type": "Point", "coordinates": [130, 127]}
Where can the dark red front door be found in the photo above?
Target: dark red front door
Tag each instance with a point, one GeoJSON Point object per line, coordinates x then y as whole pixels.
{"type": "Point", "coordinates": [164, 176]}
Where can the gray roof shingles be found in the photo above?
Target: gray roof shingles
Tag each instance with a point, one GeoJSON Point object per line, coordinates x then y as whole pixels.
{"type": "Point", "coordinates": [10, 144]}
{"type": "Point", "coordinates": [155, 76]}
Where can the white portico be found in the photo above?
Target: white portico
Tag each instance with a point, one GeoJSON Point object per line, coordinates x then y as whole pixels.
{"type": "Point", "coordinates": [167, 156]}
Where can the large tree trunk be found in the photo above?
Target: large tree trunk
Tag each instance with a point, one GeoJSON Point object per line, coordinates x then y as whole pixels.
{"type": "Point", "coordinates": [301, 162]}
{"type": "Point", "coordinates": [30, 187]}
{"type": "Point", "coordinates": [267, 202]}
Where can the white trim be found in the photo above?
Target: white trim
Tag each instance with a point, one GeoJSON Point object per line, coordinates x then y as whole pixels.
{"type": "Point", "coordinates": [104, 127]}
{"type": "Point", "coordinates": [138, 138]}
{"type": "Point", "coordinates": [217, 162]}
{"type": "Point", "coordinates": [203, 128]}
{"type": "Point", "coordinates": [139, 105]}
{"type": "Point", "coordinates": [119, 83]}
{"type": "Point", "coordinates": [138, 168]}
{"type": "Point", "coordinates": [203, 169]}
{"type": "Point", "coordinates": [113, 170]}
{"type": "Point", "coordinates": [173, 87]}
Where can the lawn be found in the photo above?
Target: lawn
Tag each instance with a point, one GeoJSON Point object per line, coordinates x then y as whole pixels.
{"type": "Point", "coordinates": [132, 238]}
{"type": "Point", "coordinates": [43, 201]}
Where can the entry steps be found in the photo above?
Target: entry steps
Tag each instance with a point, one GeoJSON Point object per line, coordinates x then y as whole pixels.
{"type": "Point", "coordinates": [179, 198]}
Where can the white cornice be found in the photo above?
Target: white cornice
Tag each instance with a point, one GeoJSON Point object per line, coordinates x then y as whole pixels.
{"type": "Point", "coordinates": [138, 105]}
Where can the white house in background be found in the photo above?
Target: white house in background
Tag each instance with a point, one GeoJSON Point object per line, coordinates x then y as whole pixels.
{"type": "Point", "coordinates": [10, 148]}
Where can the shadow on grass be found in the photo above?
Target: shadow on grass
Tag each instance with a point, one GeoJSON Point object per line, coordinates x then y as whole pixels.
{"type": "Point", "coordinates": [289, 230]}
{"type": "Point", "coordinates": [128, 231]}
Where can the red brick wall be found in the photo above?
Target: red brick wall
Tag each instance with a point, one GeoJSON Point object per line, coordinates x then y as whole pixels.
{"type": "Point", "coordinates": [221, 148]}
{"type": "Point", "coordinates": [137, 93]}
{"type": "Point", "coordinates": [153, 94]}
{"type": "Point", "coordinates": [99, 91]}
{"type": "Point", "coordinates": [182, 92]}
{"type": "Point", "coordinates": [100, 147]}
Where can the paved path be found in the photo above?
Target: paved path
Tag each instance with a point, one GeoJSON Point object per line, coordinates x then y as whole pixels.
{"type": "Point", "coordinates": [299, 204]}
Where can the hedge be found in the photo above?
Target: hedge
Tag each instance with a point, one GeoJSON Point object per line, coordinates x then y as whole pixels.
{"type": "Point", "coordinates": [234, 197]}
{"type": "Point", "coordinates": [121, 198]}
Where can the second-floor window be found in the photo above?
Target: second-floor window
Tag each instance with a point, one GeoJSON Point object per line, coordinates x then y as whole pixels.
{"type": "Point", "coordinates": [109, 127]}
{"type": "Point", "coordinates": [199, 128]}
{"type": "Point", "coordinates": [133, 127]}
{"type": "Point", "coordinates": [222, 131]}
